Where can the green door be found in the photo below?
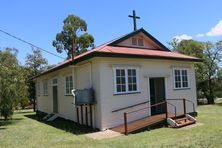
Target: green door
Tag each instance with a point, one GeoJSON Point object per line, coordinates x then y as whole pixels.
{"type": "Point", "coordinates": [55, 99]}
{"type": "Point", "coordinates": [157, 95]}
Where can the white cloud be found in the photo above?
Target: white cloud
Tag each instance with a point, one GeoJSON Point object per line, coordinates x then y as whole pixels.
{"type": "Point", "coordinates": [200, 35]}
{"type": "Point", "coordinates": [216, 30]}
{"type": "Point", "coordinates": [183, 37]}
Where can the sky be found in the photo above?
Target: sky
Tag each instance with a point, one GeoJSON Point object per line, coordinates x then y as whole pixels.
{"type": "Point", "coordinates": [39, 21]}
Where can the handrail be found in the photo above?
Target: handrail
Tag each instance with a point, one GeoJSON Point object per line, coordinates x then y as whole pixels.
{"type": "Point", "coordinates": [157, 104]}
{"type": "Point", "coordinates": [185, 103]}
{"type": "Point", "coordinates": [147, 107]}
{"type": "Point", "coordinates": [175, 108]}
{"type": "Point", "coordinates": [192, 103]}
{"type": "Point", "coordinates": [130, 106]}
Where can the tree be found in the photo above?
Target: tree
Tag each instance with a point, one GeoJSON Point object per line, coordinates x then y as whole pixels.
{"type": "Point", "coordinates": [73, 39]}
{"type": "Point", "coordinates": [205, 72]}
{"type": "Point", "coordinates": [213, 55]}
{"type": "Point", "coordinates": [35, 64]}
{"type": "Point", "coordinates": [12, 82]}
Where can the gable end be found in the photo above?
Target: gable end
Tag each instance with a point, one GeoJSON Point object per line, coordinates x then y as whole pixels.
{"type": "Point", "coordinates": [130, 35]}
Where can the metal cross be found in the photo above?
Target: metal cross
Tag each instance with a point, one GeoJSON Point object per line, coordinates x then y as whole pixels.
{"type": "Point", "coordinates": [134, 19]}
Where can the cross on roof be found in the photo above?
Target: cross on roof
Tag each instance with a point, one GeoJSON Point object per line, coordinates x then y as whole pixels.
{"type": "Point", "coordinates": [134, 19]}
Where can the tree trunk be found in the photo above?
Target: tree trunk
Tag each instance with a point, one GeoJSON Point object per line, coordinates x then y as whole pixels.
{"type": "Point", "coordinates": [210, 98]}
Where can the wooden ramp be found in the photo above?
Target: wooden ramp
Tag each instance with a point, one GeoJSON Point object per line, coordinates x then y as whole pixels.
{"type": "Point", "coordinates": [141, 123]}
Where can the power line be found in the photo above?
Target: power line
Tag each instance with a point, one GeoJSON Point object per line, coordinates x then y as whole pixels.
{"type": "Point", "coordinates": [26, 42]}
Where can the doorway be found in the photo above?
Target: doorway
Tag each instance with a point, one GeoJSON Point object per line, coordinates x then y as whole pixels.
{"type": "Point", "coordinates": [157, 95]}
{"type": "Point", "coordinates": [55, 96]}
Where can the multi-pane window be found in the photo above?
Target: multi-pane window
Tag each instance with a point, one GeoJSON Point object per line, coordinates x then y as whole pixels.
{"type": "Point", "coordinates": [120, 80]}
{"type": "Point", "coordinates": [140, 42]}
{"type": "Point", "coordinates": [45, 88]}
{"type": "Point", "coordinates": [180, 78]}
{"type": "Point", "coordinates": [137, 41]}
{"type": "Point", "coordinates": [126, 80]}
{"type": "Point", "coordinates": [134, 41]}
{"type": "Point", "coordinates": [184, 78]}
{"type": "Point", "coordinates": [68, 85]}
{"type": "Point", "coordinates": [132, 84]}
{"type": "Point", "coordinates": [54, 82]}
{"type": "Point", "coordinates": [177, 79]}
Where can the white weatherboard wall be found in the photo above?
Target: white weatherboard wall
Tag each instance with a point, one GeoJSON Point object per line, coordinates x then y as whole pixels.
{"type": "Point", "coordinates": [83, 78]}
{"type": "Point", "coordinates": [98, 73]}
{"type": "Point", "coordinates": [148, 68]}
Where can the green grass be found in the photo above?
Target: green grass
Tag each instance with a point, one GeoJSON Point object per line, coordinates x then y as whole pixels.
{"type": "Point", "coordinates": [26, 131]}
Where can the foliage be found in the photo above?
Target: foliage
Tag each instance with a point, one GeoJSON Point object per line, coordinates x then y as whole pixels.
{"type": "Point", "coordinates": [218, 83]}
{"type": "Point", "coordinates": [205, 71]}
{"type": "Point", "coordinates": [12, 82]}
{"type": "Point", "coordinates": [73, 39]}
{"type": "Point", "coordinates": [35, 64]}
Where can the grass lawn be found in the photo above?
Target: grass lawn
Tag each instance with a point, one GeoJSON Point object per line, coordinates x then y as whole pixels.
{"type": "Point", "coordinates": [25, 131]}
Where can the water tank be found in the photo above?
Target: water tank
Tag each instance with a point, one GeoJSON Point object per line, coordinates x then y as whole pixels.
{"type": "Point", "coordinates": [84, 96]}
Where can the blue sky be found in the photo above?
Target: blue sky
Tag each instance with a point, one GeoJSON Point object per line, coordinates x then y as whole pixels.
{"type": "Point", "coordinates": [39, 21]}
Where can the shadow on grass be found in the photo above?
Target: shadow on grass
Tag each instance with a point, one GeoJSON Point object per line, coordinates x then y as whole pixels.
{"type": "Point", "coordinates": [2, 128]}
{"type": "Point", "coordinates": [66, 125]}
{"type": "Point", "coordinates": [9, 122]}
{"type": "Point", "coordinates": [219, 104]}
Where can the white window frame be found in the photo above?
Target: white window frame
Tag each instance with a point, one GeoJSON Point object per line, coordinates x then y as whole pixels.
{"type": "Point", "coordinates": [126, 80]}
{"type": "Point", "coordinates": [181, 79]}
{"type": "Point", "coordinates": [70, 75]}
{"type": "Point", "coordinates": [45, 87]}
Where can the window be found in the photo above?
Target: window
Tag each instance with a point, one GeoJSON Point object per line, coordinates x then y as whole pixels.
{"type": "Point", "coordinates": [54, 82]}
{"type": "Point", "coordinates": [68, 85]}
{"type": "Point", "coordinates": [38, 88]}
{"type": "Point", "coordinates": [137, 41]}
{"type": "Point", "coordinates": [45, 88]}
{"type": "Point", "coordinates": [180, 78]}
{"type": "Point", "coordinates": [140, 42]}
{"type": "Point", "coordinates": [126, 80]}
{"type": "Point", "coordinates": [134, 41]}
{"type": "Point", "coordinates": [132, 84]}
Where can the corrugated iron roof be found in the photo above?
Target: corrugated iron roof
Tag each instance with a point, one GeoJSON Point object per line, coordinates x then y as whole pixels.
{"type": "Point", "coordinates": [112, 50]}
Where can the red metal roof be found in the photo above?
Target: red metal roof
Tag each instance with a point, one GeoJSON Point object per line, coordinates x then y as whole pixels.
{"type": "Point", "coordinates": [108, 50]}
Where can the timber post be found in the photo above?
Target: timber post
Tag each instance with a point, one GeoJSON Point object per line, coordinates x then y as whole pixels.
{"type": "Point", "coordinates": [125, 123]}
{"type": "Point", "coordinates": [184, 106]}
{"type": "Point", "coordinates": [166, 110]}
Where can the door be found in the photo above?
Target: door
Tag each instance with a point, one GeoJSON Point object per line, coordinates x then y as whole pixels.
{"type": "Point", "coordinates": [55, 99]}
{"type": "Point", "coordinates": [157, 95]}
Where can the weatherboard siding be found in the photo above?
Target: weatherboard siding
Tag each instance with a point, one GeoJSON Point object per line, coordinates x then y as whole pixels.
{"type": "Point", "coordinates": [81, 80]}
{"type": "Point", "coordinates": [148, 68]}
{"type": "Point", "coordinates": [98, 73]}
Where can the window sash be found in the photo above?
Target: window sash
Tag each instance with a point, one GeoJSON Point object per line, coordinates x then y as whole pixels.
{"type": "Point", "coordinates": [126, 80]}
{"type": "Point", "coordinates": [68, 84]}
{"type": "Point", "coordinates": [45, 88]}
{"type": "Point", "coordinates": [181, 78]}
{"type": "Point", "coordinates": [134, 41]}
{"type": "Point", "coordinates": [140, 42]}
